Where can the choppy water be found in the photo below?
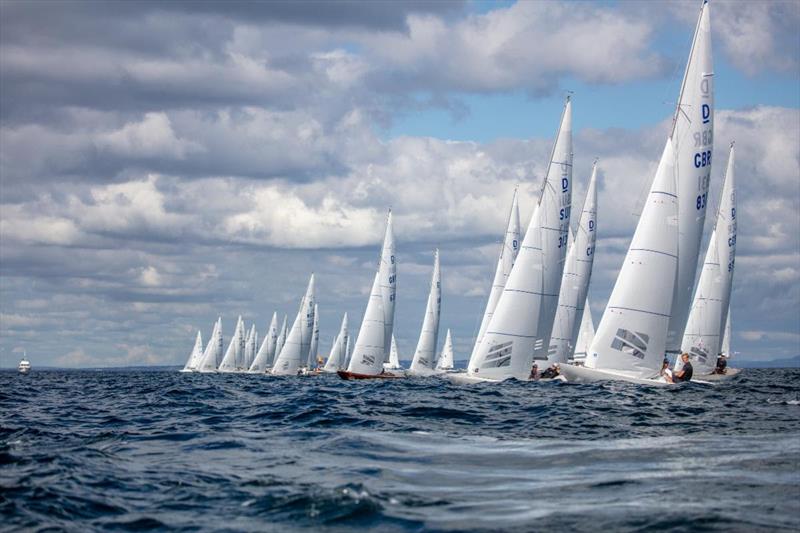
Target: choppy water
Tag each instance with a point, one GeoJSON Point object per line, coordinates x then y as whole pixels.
{"type": "Point", "coordinates": [83, 450]}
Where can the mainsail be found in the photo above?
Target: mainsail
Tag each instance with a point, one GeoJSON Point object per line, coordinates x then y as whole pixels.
{"type": "Point", "coordinates": [726, 337]}
{"type": "Point", "coordinates": [388, 281]}
{"type": "Point", "coordinates": [631, 336]}
{"type": "Point", "coordinates": [445, 361]}
{"type": "Point", "coordinates": [336, 359]}
{"type": "Point", "coordinates": [295, 349]}
{"type": "Point", "coordinates": [517, 328]}
{"type": "Point", "coordinates": [213, 352]}
{"type": "Point", "coordinates": [704, 330]}
{"type": "Point", "coordinates": [281, 338]}
{"type": "Point", "coordinates": [692, 140]}
{"type": "Point", "coordinates": [233, 355]}
{"type": "Point", "coordinates": [266, 352]}
{"type": "Point", "coordinates": [575, 281]}
{"type": "Point", "coordinates": [425, 355]}
{"type": "Point", "coordinates": [508, 254]}
{"type": "Point", "coordinates": [196, 355]}
{"type": "Point", "coordinates": [367, 356]}
{"type": "Point", "coordinates": [314, 348]}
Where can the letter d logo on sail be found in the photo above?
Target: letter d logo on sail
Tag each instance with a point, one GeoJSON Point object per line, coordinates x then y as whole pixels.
{"type": "Point", "coordinates": [706, 113]}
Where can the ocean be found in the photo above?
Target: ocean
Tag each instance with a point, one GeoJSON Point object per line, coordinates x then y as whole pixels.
{"type": "Point", "coordinates": [161, 450]}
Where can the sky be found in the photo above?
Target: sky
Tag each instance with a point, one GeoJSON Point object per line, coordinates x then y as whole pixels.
{"type": "Point", "coordinates": [162, 164]}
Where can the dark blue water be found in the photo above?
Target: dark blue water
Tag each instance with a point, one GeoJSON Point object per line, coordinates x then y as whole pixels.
{"type": "Point", "coordinates": [137, 450]}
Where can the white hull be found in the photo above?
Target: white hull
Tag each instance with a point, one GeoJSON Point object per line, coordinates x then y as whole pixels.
{"type": "Point", "coordinates": [581, 374]}
{"type": "Point", "coordinates": [462, 378]}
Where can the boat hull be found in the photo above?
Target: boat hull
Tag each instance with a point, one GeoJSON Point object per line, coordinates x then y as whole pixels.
{"type": "Point", "coordinates": [581, 374]}
{"type": "Point", "coordinates": [720, 377]}
{"type": "Point", "coordinates": [344, 374]}
{"type": "Point", "coordinates": [462, 378]}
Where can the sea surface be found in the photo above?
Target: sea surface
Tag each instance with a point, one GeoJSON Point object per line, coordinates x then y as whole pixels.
{"type": "Point", "coordinates": [141, 450]}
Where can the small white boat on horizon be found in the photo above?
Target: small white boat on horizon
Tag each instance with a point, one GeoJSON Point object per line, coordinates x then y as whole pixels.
{"type": "Point", "coordinates": [24, 365]}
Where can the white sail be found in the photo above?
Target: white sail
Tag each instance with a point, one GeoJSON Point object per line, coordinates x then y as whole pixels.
{"type": "Point", "coordinates": [266, 352]}
{"type": "Point", "coordinates": [508, 254]}
{"type": "Point", "coordinates": [314, 348]}
{"type": "Point", "coordinates": [516, 329]}
{"type": "Point", "coordinates": [213, 352]}
{"type": "Point", "coordinates": [585, 334]}
{"type": "Point", "coordinates": [703, 336]}
{"type": "Point", "coordinates": [445, 361]}
{"type": "Point", "coordinates": [424, 360]}
{"type": "Point", "coordinates": [575, 281]}
{"type": "Point", "coordinates": [196, 355]}
{"type": "Point", "coordinates": [631, 336]}
{"type": "Point", "coordinates": [233, 355]}
{"type": "Point", "coordinates": [281, 338]}
{"type": "Point", "coordinates": [336, 359]}
{"type": "Point", "coordinates": [388, 280]}
{"type": "Point", "coordinates": [348, 352]}
{"type": "Point", "coordinates": [295, 349]}
{"type": "Point", "coordinates": [394, 357]}
{"type": "Point", "coordinates": [692, 139]}
{"type": "Point", "coordinates": [249, 348]}
{"type": "Point", "coordinates": [726, 337]}
{"type": "Point", "coordinates": [367, 356]}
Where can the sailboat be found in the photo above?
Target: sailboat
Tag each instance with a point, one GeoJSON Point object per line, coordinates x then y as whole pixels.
{"type": "Point", "coordinates": [575, 281]}
{"type": "Point", "coordinates": [517, 330]}
{"type": "Point", "coordinates": [445, 362]}
{"type": "Point", "coordinates": [708, 317]}
{"type": "Point", "coordinates": [585, 335]}
{"type": "Point", "coordinates": [298, 342]}
{"type": "Point", "coordinates": [266, 352]}
{"type": "Point", "coordinates": [281, 338]}
{"type": "Point", "coordinates": [508, 254]}
{"type": "Point", "coordinates": [195, 355]}
{"type": "Point", "coordinates": [212, 355]}
{"type": "Point", "coordinates": [424, 361]}
{"type": "Point", "coordinates": [336, 359]}
{"type": "Point", "coordinates": [250, 346]}
{"type": "Point", "coordinates": [644, 312]}
{"type": "Point", "coordinates": [394, 357]}
{"type": "Point", "coordinates": [234, 354]}
{"type": "Point", "coordinates": [349, 352]}
{"type": "Point", "coordinates": [371, 349]}
{"type": "Point", "coordinates": [312, 360]}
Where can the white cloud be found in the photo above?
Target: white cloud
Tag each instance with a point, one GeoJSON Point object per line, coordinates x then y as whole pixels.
{"type": "Point", "coordinates": [152, 137]}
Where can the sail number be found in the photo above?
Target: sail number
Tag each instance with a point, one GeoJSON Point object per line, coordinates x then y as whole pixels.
{"type": "Point", "coordinates": [562, 241]}
{"type": "Point", "coordinates": [701, 201]}
{"type": "Point", "coordinates": [564, 213]}
{"type": "Point", "coordinates": [702, 159]}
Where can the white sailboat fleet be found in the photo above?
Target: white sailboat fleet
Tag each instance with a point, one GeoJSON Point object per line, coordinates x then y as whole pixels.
{"type": "Point", "coordinates": [538, 310]}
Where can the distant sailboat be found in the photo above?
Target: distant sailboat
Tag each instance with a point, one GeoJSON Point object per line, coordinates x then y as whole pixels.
{"type": "Point", "coordinates": [517, 331]}
{"type": "Point", "coordinates": [424, 360]}
{"type": "Point", "coordinates": [281, 338]}
{"type": "Point", "coordinates": [647, 311]}
{"type": "Point", "coordinates": [708, 317]}
{"type": "Point", "coordinates": [197, 354]}
{"type": "Point", "coordinates": [394, 357]}
{"type": "Point", "coordinates": [508, 254]}
{"type": "Point", "coordinates": [212, 355]}
{"type": "Point", "coordinates": [298, 342]}
{"type": "Point", "coordinates": [234, 354]}
{"type": "Point", "coordinates": [575, 281]}
{"type": "Point", "coordinates": [266, 352]}
{"type": "Point", "coordinates": [445, 361]}
{"type": "Point", "coordinates": [337, 358]}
